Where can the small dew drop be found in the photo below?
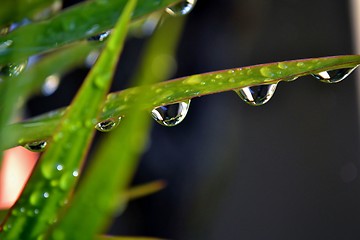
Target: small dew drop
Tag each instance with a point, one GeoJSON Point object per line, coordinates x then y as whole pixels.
{"type": "Point", "coordinates": [37, 197]}
{"type": "Point", "coordinates": [46, 194]}
{"type": "Point", "coordinates": [333, 76]}
{"type": "Point", "coordinates": [59, 167]}
{"type": "Point", "coordinates": [300, 64]}
{"type": "Point", "coordinates": [257, 95]}
{"type": "Point", "coordinates": [172, 114]}
{"type": "Point", "coordinates": [108, 124]}
{"type": "Point", "coordinates": [75, 173]}
{"type": "Point", "coordinates": [100, 37]}
{"type": "Point", "coordinates": [38, 146]}
{"type": "Point", "coordinates": [267, 72]}
{"type": "Point", "coordinates": [181, 8]}
{"type": "Point", "coordinates": [282, 65]}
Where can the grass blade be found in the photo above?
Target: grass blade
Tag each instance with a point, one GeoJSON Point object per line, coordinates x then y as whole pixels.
{"type": "Point", "coordinates": [164, 93]}
{"type": "Point", "coordinates": [73, 24]}
{"type": "Point", "coordinates": [109, 173]}
{"type": "Point", "coordinates": [55, 176]}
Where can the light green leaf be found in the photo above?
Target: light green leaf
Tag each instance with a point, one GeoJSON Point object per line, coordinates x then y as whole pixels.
{"type": "Point", "coordinates": [119, 103]}
{"type": "Point", "coordinates": [110, 171]}
{"type": "Point", "coordinates": [51, 183]}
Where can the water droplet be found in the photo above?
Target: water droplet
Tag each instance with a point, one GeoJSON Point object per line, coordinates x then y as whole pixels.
{"type": "Point", "coordinates": [75, 173]}
{"type": "Point", "coordinates": [59, 167]}
{"type": "Point", "coordinates": [51, 84]}
{"type": "Point", "coordinates": [257, 95]}
{"type": "Point", "coordinates": [100, 37]}
{"type": "Point", "coordinates": [334, 76]}
{"type": "Point", "coordinates": [12, 69]}
{"type": "Point", "coordinates": [181, 8]}
{"type": "Point", "coordinates": [267, 72]}
{"type": "Point", "coordinates": [108, 124]}
{"type": "Point", "coordinates": [38, 146]}
{"type": "Point", "coordinates": [66, 181]}
{"type": "Point", "coordinates": [282, 65]}
{"type": "Point", "coordinates": [37, 198]}
{"type": "Point", "coordinates": [172, 114]}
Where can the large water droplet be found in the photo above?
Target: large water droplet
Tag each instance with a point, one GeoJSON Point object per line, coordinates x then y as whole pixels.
{"type": "Point", "coordinates": [108, 124]}
{"type": "Point", "coordinates": [38, 146]}
{"type": "Point", "coordinates": [100, 37]}
{"type": "Point", "coordinates": [172, 114]}
{"type": "Point", "coordinates": [257, 95]}
{"type": "Point", "coordinates": [334, 76]}
{"type": "Point", "coordinates": [181, 8]}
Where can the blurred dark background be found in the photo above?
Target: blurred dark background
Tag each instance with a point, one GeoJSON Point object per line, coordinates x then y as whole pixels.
{"type": "Point", "coordinates": [285, 170]}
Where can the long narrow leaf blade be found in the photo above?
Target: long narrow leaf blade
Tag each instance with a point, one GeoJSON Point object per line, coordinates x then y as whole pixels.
{"type": "Point", "coordinates": [56, 174]}
{"type": "Point", "coordinates": [164, 93]}
{"type": "Point", "coordinates": [81, 21]}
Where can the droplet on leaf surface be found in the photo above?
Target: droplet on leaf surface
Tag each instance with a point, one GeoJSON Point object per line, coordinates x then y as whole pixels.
{"type": "Point", "coordinates": [257, 95]}
{"type": "Point", "coordinates": [108, 124]}
{"type": "Point", "coordinates": [172, 114]}
{"type": "Point", "coordinates": [181, 8]}
{"type": "Point", "coordinates": [38, 146]}
{"type": "Point", "coordinates": [334, 76]}
{"type": "Point", "coordinates": [100, 37]}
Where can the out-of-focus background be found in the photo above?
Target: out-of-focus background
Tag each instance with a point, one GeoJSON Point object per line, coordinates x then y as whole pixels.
{"type": "Point", "coordinates": [285, 170]}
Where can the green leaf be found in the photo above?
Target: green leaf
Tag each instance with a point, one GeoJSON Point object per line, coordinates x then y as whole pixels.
{"type": "Point", "coordinates": [75, 23]}
{"type": "Point", "coordinates": [114, 163]}
{"type": "Point", "coordinates": [56, 174]}
{"type": "Point", "coordinates": [16, 10]}
{"type": "Point", "coordinates": [119, 103]}
{"type": "Point", "coordinates": [31, 80]}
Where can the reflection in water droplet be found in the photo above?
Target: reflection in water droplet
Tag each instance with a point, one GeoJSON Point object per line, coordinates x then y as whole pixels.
{"type": "Point", "coordinates": [108, 124]}
{"type": "Point", "coordinates": [172, 114]}
{"type": "Point", "coordinates": [334, 76]}
{"type": "Point", "coordinates": [181, 8]}
{"type": "Point", "coordinates": [38, 146]}
{"type": "Point", "coordinates": [100, 37]}
{"type": "Point", "coordinates": [257, 95]}
{"type": "Point", "coordinates": [51, 84]}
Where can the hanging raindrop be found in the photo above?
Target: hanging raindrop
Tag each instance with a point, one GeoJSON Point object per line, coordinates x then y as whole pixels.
{"type": "Point", "coordinates": [334, 76]}
{"type": "Point", "coordinates": [100, 37]}
{"type": "Point", "coordinates": [172, 114]}
{"type": "Point", "coordinates": [38, 146]}
{"type": "Point", "coordinates": [108, 124]}
{"type": "Point", "coordinates": [257, 95]}
{"type": "Point", "coordinates": [181, 8]}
